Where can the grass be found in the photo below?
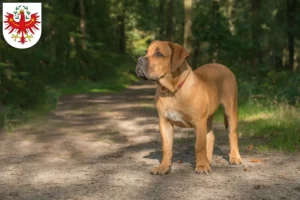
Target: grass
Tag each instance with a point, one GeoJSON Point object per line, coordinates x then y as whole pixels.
{"type": "Point", "coordinates": [275, 123]}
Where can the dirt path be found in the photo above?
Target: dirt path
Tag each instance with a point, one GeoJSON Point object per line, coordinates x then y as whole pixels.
{"type": "Point", "coordinates": [103, 146]}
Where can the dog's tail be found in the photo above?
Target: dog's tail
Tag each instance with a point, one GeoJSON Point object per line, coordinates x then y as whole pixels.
{"type": "Point", "coordinates": [225, 121]}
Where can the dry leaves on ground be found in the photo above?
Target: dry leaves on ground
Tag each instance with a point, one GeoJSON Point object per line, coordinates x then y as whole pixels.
{"type": "Point", "coordinates": [255, 160]}
{"type": "Point", "coordinates": [179, 161]}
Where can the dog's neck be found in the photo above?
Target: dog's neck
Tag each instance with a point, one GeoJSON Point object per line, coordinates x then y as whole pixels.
{"type": "Point", "coordinates": [171, 82]}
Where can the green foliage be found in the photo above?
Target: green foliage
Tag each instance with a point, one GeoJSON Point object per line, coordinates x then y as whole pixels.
{"type": "Point", "coordinates": [274, 86]}
{"type": "Point", "coordinates": [64, 60]}
{"type": "Point", "coordinates": [19, 88]}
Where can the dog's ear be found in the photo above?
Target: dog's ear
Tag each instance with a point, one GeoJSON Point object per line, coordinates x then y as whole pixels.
{"type": "Point", "coordinates": [179, 54]}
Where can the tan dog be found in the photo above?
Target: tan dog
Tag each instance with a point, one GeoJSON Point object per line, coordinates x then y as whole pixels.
{"type": "Point", "coordinates": [188, 98]}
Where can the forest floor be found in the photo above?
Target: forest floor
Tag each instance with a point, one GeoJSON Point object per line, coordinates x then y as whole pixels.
{"type": "Point", "coordinates": [103, 146]}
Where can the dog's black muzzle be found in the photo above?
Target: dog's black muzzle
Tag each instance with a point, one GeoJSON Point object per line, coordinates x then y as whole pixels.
{"type": "Point", "coordinates": [141, 67]}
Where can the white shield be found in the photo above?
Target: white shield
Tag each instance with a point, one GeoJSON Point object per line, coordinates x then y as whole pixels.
{"type": "Point", "coordinates": [22, 24]}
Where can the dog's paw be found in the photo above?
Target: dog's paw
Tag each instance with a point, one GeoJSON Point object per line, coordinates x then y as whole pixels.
{"type": "Point", "coordinates": [235, 160]}
{"type": "Point", "coordinates": [202, 169]}
{"type": "Point", "coordinates": [161, 170]}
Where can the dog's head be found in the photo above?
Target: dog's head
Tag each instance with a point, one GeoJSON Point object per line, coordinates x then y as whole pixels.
{"type": "Point", "coordinates": [161, 58]}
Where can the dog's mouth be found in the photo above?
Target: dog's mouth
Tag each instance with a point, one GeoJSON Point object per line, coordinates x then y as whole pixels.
{"type": "Point", "coordinates": [141, 74]}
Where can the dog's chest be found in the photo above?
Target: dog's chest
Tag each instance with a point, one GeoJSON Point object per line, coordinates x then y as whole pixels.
{"type": "Point", "coordinates": [174, 115]}
{"type": "Point", "coordinates": [177, 118]}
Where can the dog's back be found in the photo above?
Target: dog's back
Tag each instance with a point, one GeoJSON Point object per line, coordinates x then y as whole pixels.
{"type": "Point", "coordinates": [218, 77]}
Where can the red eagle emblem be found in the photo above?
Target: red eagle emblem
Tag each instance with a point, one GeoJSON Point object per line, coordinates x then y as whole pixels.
{"type": "Point", "coordinates": [23, 26]}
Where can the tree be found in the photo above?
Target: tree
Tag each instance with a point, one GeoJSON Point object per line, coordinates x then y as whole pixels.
{"type": "Point", "coordinates": [188, 25]}
{"type": "Point", "coordinates": [255, 32]}
{"type": "Point", "coordinates": [161, 20]}
{"type": "Point", "coordinates": [216, 22]}
{"type": "Point", "coordinates": [230, 16]}
{"type": "Point", "coordinates": [169, 31]}
{"type": "Point", "coordinates": [291, 19]}
{"type": "Point", "coordinates": [82, 23]}
{"type": "Point", "coordinates": [121, 25]}
{"type": "Point", "coordinates": [1, 117]}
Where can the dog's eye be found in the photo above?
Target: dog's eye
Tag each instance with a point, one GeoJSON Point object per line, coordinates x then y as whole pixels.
{"type": "Point", "coordinates": [159, 54]}
{"type": "Point", "coordinates": [146, 51]}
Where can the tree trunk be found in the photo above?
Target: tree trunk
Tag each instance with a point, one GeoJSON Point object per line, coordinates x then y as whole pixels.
{"type": "Point", "coordinates": [255, 33]}
{"type": "Point", "coordinates": [188, 34]}
{"type": "Point", "coordinates": [121, 28]}
{"type": "Point", "coordinates": [278, 59]}
{"type": "Point", "coordinates": [230, 16]}
{"type": "Point", "coordinates": [82, 23]}
{"type": "Point", "coordinates": [216, 17]}
{"type": "Point", "coordinates": [1, 117]}
{"type": "Point", "coordinates": [122, 40]}
{"type": "Point", "coordinates": [291, 19]}
{"type": "Point", "coordinates": [161, 20]}
{"type": "Point", "coordinates": [170, 20]}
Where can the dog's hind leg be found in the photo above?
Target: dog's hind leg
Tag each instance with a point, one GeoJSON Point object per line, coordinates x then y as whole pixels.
{"type": "Point", "coordinates": [210, 140]}
{"type": "Point", "coordinates": [230, 109]}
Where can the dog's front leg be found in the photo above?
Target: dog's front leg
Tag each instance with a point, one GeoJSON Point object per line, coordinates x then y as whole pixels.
{"type": "Point", "coordinates": [202, 164]}
{"type": "Point", "coordinates": [166, 131]}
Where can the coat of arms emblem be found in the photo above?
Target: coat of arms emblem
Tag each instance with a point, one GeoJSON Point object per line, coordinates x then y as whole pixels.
{"type": "Point", "coordinates": [22, 24]}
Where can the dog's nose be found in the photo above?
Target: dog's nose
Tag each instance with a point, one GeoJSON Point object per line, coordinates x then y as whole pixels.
{"type": "Point", "coordinates": [141, 60]}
